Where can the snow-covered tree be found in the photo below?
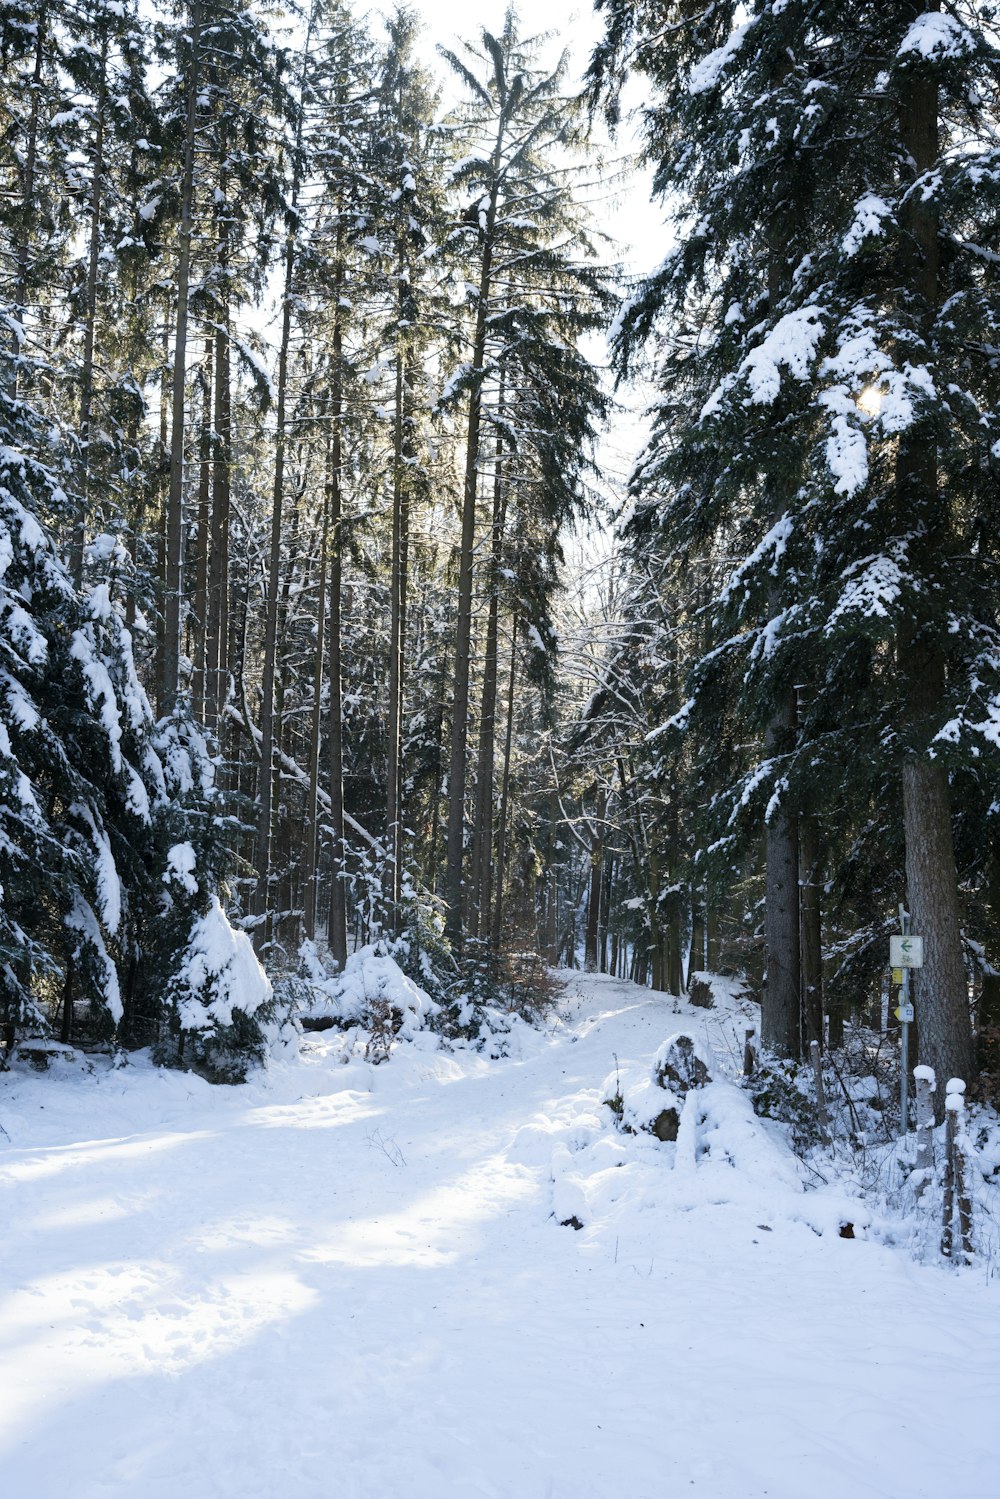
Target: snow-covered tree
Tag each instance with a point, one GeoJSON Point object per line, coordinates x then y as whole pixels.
{"type": "Point", "coordinates": [829, 416]}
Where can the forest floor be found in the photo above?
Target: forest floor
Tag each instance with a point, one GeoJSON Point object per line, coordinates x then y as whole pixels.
{"type": "Point", "coordinates": [347, 1282]}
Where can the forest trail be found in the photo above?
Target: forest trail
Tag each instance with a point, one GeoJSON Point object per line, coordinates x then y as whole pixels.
{"type": "Point", "coordinates": [348, 1282]}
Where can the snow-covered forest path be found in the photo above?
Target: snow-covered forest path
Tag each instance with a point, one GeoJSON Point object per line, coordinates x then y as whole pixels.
{"type": "Point", "coordinates": [348, 1283]}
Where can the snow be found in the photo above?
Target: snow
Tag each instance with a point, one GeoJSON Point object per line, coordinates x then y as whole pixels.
{"type": "Point", "coordinates": [99, 689]}
{"type": "Point", "coordinates": [82, 920]}
{"type": "Point", "coordinates": [774, 545]}
{"type": "Point", "coordinates": [872, 587]}
{"type": "Point", "coordinates": [259, 369]}
{"type": "Point", "coordinates": [345, 1279]}
{"type": "Point", "coordinates": [935, 35]}
{"type": "Point", "coordinates": [871, 214]}
{"type": "Point", "coordinates": [221, 962]}
{"type": "Point", "coordinates": [706, 74]}
{"type": "Point", "coordinates": [846, 448]}
{"type": "Point", "coordinates": [181, 864]}
{"type": "Point", "coordinates": [109, 887]}
{"type": "Point", "coordinates": [371, 976]}
{"type": "Point", "coordinates": [791, 345]}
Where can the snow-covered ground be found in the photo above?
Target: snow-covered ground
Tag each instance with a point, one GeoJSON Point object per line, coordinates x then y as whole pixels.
{"type": "Point", "coordinates": [346, 1282]}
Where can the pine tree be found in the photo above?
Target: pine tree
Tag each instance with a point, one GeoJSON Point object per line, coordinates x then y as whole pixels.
{"type": "Point", "coordinates": [825, 415]}
{"type": "Point", "coordinates": [532, 296]}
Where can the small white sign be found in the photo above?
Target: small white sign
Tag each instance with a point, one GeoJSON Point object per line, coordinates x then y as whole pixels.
{"type": "Point", "coordinates": [904, 1014]}
{"type": "Point", "coordinates": [906, 952]}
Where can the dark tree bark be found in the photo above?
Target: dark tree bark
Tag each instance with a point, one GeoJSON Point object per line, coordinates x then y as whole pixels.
{"type": "Point", "coordinates": [482, 834]}
{"type": "Point", "coordinates": [941, 990]}
{"type": "Point", "coordinates": [780, 1011]}
{"type": "Point", "coordinates": [173, 576]}
{"type": "Point", "coordinates": [398, 583]}
{"type": "Point", "coordinates": [458, 756]}
{"type": "Point", "coordinates": [337, 921]}
{"type": "Point", "coordinates": [199, 623]}
{"type": "Point", "coordinates": [90, 314]}
{"type": "Point", "coordinates": [810, 887]}
{"type": "Point", "coordinates": [310, 872]}
{"type": "Point", "coordinates": [496, 930]}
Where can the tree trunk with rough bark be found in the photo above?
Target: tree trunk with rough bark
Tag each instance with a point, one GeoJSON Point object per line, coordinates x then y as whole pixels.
{"type": "Point", "coordinates": [496, 930]}
{"type": "Point", "coordinates": [941, 990]}
{"type": "Point", "coordinates": [810, 888]}
{"type": "Point", "coordinates": [336, 935]}
{"type": "Point", "coordinates": [173, 577]}
{"type": "Point", "coordinates": [780, 1011]}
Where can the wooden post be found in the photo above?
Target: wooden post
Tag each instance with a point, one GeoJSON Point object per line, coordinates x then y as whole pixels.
{"type": "Point", "coordinates": [948, 1211]}
{"type": "Point", "coordinates": [749, 1053]}
{"type": "Point", "coordinates": [821, 1111]}
{"type": "Point", "coordinates": [923, 1171]}
{"type": "Point", "coordinates": [956, 1190]}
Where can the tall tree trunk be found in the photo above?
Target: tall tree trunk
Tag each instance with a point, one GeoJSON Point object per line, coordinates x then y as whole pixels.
{"type": "Point", "coordinates": [590, 939]}
{"type": "Point", "coordinates": [811, 938]}
{"type": "Point", "coordinates": [173, 578]}
{"type": "Point", "coordinates": [198, 644]}
{"type": "Point", "coordinates": [402, 456]}
{"type": "Point", "coordinates": [780, 1012]}
{"type": "Point", "coordinates": [496, 930]}
{"type": "Point", "coordinates": [941, 997]}
{"type": "Point", "coordinates": [163, 476]}
{"type": "Point", "coordinates": [90, 316]}
{"type": "Point", "coordinates": [337, 922]}
{"type": "Point", "coordinates": [482, 840]}
{"type": "Point", "coordinates": [458, 758]}
{"type": "Point", "coordinates": [311, 861]}
{"type": "Point", "coordinates": [267, 732]}
{"type": "Point", "coordinates": [696, 957]}
{"type": "Point", "coordinates": [781, 1027]}
{"type": "Point", "coordinates": [217, 649]}
{"type": "Point", "coordinates": [22, 251]}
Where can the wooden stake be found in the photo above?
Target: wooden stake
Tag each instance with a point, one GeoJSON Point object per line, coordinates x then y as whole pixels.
{"type": "Point", "coordinates": [955, 1184]}
{"type": "Point", "coordinates": [949, 1184]}
{"type": "Point", "coordinates": [924, 1169]}
{"type": "Point", "coordinates": [821, 1111]}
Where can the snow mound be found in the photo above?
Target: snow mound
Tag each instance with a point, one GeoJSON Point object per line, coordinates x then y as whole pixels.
{"type": "Point", "coordinates": [683, 1061]}
{"type": "Point", "coordinates": [372, 979]}
{"type": "Point", "coordinates": [651, 1100]}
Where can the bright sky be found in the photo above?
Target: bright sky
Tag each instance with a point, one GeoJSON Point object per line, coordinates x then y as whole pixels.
{"type": "Point", "coordinates": [625, 211]}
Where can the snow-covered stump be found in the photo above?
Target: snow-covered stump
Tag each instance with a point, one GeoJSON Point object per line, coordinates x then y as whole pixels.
{"type": "Point", "coordinates": [923, 1171]}
{"type": "Point", "coordinates": [653, 1102]}
{"type": "Point", "coordinates": [821, 1110]}
{"type": "Point", "coordinates": [956, 1189]}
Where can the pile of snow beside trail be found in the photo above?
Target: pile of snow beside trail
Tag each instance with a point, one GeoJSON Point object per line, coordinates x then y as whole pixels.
{"type": "Point", "coordinates": [727, 992]}
{"type": "Point", "coordinates": [639, 1093]}
{"type": "Point", "coordinates": [371, 975]}
{"type": "Point", "coordinates": [725, 1157]}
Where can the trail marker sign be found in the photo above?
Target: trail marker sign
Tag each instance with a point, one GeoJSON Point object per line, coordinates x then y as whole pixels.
{"type": "Point", "coordinates": [904, 1014]}
{"type": "Point", "coordinates": [906, 952]}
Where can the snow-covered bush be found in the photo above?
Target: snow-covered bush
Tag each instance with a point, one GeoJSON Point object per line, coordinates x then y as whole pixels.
{"type": "Point", "coordinates": [374, 992]}
{"type": "Point", "coordinates": [783, 1091]}
{"type": "Point", "coordinates": [222, 1012]}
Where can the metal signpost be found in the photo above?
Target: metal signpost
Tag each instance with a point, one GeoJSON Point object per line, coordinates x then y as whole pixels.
{"type": "Point", "coordinates": [905, 952]}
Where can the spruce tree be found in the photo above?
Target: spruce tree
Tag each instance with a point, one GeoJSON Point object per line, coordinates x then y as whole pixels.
{"type": "Point", "coordinates": [830, 402]}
